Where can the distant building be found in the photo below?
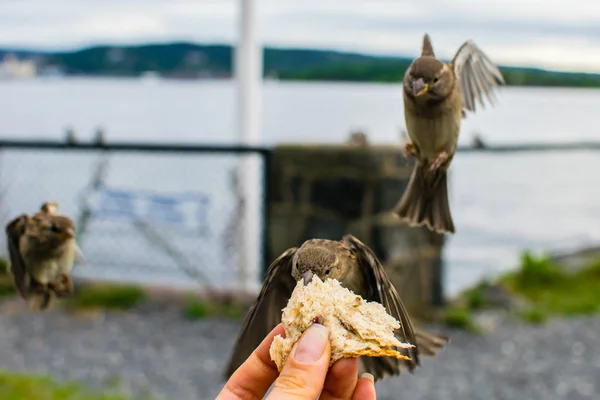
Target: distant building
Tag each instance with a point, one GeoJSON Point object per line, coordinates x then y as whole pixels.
{"type": "Point", "coordinates": [13, 68]}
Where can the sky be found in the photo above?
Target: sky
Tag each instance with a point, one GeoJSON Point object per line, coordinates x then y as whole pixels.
{"type": "Point", "coordinates": [555, 34]}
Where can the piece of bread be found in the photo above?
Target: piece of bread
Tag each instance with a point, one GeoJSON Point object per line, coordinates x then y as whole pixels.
{"type": "Point", "coordinates": [356, 327]}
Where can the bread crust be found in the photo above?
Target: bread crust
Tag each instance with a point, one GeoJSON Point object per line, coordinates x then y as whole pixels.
{"type": "Point", "coordinates": [356, 327]}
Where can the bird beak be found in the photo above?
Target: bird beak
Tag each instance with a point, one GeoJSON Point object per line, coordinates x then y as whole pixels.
{"type": "Point", "coordinates": [307, 277]}
{"type": "Point", "coordinates": [419, 87]}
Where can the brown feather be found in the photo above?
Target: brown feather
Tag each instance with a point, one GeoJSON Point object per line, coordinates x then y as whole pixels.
{"type": "Point", "coordinates": [477, 75]}
{"type": "Point", "coordinates": [427, 49]}
{"type": "Point", "coordinates": [265, 314]}
{"type": "Point", "coordinates": [15, 229]}
{"type": "Point", "coordinates": [376, 286]}
{"type": "Point", "coordinates": [425, 201]}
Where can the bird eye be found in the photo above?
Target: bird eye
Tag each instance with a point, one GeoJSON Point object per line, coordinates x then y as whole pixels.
{"type": "Point", "coordinates": [54, 228]}
{"type": "Point", "coordinates": [327, 272]}
{"type": "Point", "coordinates": [436, 79]}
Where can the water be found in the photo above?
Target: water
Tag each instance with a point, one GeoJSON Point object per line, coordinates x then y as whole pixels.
{"type": "Point", "coordinates": [501, 203]}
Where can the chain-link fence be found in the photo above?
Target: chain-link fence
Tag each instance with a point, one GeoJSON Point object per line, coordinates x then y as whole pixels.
{"type": "Point", "coordinates": [174, 215]}
{"type": "Point", "coordinates": [170, 215]}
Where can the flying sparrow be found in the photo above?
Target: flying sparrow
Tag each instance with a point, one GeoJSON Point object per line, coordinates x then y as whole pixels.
{"type": "Point", "coordinates": [42, 250]}
{"type": "Point", "coordinates": [436, 98]}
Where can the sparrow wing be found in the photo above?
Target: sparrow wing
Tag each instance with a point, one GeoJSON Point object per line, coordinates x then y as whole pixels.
{"type": "Point", "coordinates": [377, 287]}
{"type": "Point", "coordinates": [265, 314]}
{"type": "Point", "coordinates": [79, 258]}
{"type": "Point", "coordinates": [477, 75]}
{"type": "Point", "coordinates": [15, 229]}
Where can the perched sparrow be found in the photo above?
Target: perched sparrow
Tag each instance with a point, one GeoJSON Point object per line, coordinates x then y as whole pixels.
{"type": "Point", "coordinates": [436, 96]}
{"type": "Point", "coordinates": [42, 250]}
{"type": "Point", "coordinates": [356, 267]}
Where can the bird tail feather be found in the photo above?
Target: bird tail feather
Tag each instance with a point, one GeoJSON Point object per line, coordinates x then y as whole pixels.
{"type": "Point", "coordinates": [425, 200]}
{"type": "Point", "coordinates": [429, 344]}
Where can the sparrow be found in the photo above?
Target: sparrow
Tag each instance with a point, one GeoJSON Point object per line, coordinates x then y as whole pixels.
{"type": "Point", "coordinates": [51, 208]}
{"type": "Point", "coordinates": [357, 268]}
{"type": "Point", "coordinates": [42, 251]}
{"type": "Point", "coordinates": [437, 96]}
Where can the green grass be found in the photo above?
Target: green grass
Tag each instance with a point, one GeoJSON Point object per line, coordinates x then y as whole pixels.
{"type": "Point", "coordinates": [3, 266]}
{"type": "Point", "coordinates": [15, 386]}
{"type": "Point", "coordinates": [547, 289]}
{"type": "Point", "coordinates": [107, 296]}
{"type": "Point", "coordinates": [550, 291]}
{"type": "Point", "coordinates": [460, 318]}
{"type": "Point", "coordinates": [474, 298]}
{"type": "Point", "coordinates": [7, 287]}
{"type": "Point", "coordinates": [533, 316]}
{"type": "Point", "coordinates": [198, 308]}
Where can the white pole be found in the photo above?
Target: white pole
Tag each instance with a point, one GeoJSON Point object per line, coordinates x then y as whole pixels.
{"type": "Point", "coordinates": [248, 71]}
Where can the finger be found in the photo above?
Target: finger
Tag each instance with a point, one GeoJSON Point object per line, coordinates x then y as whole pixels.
{"type": "Point", "coordinates": [255, 376]}
{"type": "Point", "coordinates": [341, 380]}
{"type": "Point", "coordinates": [304, 372]}
{"type": "Point", "coordinates": [365, 388]}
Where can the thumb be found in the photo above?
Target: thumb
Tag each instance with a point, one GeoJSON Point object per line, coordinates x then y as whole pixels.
{"type": "Point", "coordinates": [303, 375]}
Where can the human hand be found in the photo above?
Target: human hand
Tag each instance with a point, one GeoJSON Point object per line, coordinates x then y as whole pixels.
{"type": "Point", "coordinates": [305, 376]}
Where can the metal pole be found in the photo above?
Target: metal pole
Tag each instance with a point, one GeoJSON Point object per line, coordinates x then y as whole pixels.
{"type": "Point", "coordinates": [248, 70]}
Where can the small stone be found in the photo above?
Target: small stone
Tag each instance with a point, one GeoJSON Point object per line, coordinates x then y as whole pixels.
{"type": "Point", "coordinates": [578, 348]}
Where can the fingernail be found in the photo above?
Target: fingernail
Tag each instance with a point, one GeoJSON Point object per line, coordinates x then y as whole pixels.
{"type": "Point", "coordinates": [312, 344]}
{"type": "Point", "coordinates": [368, 376]}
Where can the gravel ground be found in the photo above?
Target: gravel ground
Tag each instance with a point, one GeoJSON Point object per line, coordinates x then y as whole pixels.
{"type": "Point", "coordinates": [161, 351]}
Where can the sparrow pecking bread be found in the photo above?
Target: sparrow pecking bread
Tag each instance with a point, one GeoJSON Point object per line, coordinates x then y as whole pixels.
{"type": "Point", "coordinates": [42, 250]}
{"type": "Point", "coordinates": [357, 268]}
{"type": "Point", "coordinates": [436, 98]}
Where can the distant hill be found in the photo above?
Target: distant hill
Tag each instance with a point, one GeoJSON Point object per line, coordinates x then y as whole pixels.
{"type": "Point", "coordinates": [190, 60]}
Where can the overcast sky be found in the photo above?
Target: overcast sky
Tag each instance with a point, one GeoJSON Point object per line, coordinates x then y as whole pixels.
{"type": "Point", "coordinates": [560, 34]}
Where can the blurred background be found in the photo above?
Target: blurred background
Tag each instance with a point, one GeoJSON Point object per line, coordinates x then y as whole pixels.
{"type": "Point", "coordinates": [153, 123]}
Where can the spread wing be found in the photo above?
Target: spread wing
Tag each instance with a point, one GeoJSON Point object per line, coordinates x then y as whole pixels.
{"type": "Point", "coordinates": [377, 287]}
{"type": "Point", "coordinates": [265, 314]}
{"type": "Point", "coordinates": [14, 230]}
{"type": "Point", "coordinates": [477, 75]}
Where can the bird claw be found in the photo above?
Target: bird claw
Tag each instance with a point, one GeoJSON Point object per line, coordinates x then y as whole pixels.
{"type": "Point", "coordinates": [56, 288]}
{"type": "Point", "coordinates": [409, 150]}
{"type": "Point", "coordinates": [68, 283]}
{"type": "Point", "coordinates": [64, 287]}
{"type": "Point", "coordinates": [37, 288]}
{"type": "Point", "coordinates": [439, 160]}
